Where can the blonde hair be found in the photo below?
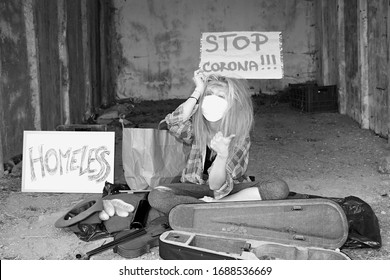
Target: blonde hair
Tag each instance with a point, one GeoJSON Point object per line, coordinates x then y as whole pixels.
{"type": "Point", "coordinates": [238, 118]}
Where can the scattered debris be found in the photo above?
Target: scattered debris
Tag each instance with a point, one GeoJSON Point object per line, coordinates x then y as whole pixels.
{"type": "Point", "coordinates": [10, 164]}
{"type": "Point", "coordinates": [384, 165]}
{"type": "Point", "coordinates": [107, 117]}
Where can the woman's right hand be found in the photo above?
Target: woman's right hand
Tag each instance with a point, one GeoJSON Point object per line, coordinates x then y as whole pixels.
{"type": "Point", "coordinates": [199, 80]}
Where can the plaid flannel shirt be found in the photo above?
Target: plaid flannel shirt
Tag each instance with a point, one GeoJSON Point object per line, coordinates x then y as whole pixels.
{"type": "Point", "coordinates": [236, 164]}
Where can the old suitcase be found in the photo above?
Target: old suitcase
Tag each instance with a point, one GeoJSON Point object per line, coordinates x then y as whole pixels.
{"type": "Point", "coordinates": [298, 229]}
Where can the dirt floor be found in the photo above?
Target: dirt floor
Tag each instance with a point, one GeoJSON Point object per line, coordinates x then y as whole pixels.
{"type": "Point", "coordinates": [324, 154]}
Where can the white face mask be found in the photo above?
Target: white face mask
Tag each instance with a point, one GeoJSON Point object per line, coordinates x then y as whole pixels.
{"type": "Point", "coordinates": [213, 107]}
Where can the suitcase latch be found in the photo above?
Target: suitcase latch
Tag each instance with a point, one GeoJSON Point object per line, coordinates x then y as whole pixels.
{"type": "Point", "coordinates": [296, 208]}
{"type": "Point", "coordinates": [246, 247]}
{"type": "Point", "coordinates": [299, 237]}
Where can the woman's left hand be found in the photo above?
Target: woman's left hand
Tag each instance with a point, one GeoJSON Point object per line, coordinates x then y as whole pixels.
{"type": "Point", "coordinates": [220, 144]}
{"type": "Point", "coordinates": [207, 199]}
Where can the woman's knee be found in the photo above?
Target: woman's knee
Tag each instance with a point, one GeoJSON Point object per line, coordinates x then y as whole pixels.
{"type": "Point", "coordinates": [274, 188]}
{"type": "Point", "coordinates": [284, 190]}
{"type": "Point", "coordinates": [158, 196]}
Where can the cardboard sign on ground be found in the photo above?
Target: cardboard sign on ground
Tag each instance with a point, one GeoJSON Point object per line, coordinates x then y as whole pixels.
{"type": "Point", "coordinates": [245, 55]}
{"type": "Point", "coordinates": [67, 161]}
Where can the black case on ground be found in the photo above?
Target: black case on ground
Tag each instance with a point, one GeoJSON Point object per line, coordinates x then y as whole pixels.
{"type": "Point", "coordinates": [298, 229]}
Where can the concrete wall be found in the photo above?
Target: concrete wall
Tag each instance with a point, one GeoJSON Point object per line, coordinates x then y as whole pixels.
{"type": "Point", "coordinates": [156, 47]}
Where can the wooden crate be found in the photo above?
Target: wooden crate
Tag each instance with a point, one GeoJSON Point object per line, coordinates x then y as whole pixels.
{"type": "Point", "coordinates": [312, 98]}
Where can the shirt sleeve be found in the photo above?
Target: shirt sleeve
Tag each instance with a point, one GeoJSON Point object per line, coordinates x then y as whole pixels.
{"type": "Point", "coordinates": [236, 167]}
{"type": "Point", "coordinates": [180, 127]}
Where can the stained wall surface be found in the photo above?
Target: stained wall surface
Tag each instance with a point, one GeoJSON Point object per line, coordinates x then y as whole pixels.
{"type": "Point", "coordinates": [156, 44]}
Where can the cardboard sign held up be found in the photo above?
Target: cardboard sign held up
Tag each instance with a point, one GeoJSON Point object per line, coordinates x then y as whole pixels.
{"type": "Point", "coordinates": [67, 161]}
{"type": "Point", "coordinates": [245, 55]}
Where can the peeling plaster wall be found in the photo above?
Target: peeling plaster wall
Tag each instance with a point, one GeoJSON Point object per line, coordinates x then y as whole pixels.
{"type": "Point", "coordinates": [156, 44]}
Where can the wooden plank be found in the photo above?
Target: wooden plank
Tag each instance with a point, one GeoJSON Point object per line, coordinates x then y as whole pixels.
{"type": "Point", "coordinates": [325, 42]}
{"type": "Point", "coordinates": [87, 59]}
{"type": "Point", "coordinates": [64, 63]}
{"type": "Point", "coordinates": [94, 38]}
{"type": "Point", "coordinates": [32, 56]}
{"type": "Point", "coordinates": [377, 74]}
{"type": "Point", "coordinates": [47, 34]}
{"type": "Point", "coordinates": [372, 29]}
{"type": "Point", "coordinates": [330, 40]}
{"type": "Point", "coordinates": [1, 122]}
{"type": "Point", "coordinates": [76, 65]}
{"type": "Point", "coordinates": [351, 59]}
{"type": "Point", "coordinates": [388, 74]}
{"type": "Point", "coordinates": [1, 153]}
{"type": "Point", "coordinates": [105, 97]}
{"type": "Point", "coordinates": [341, 58]}
{"type": "Point", "coordinates": [363, 63]}
{"type": "Point", "coordinates": [382, 84]}
{"type": "Point", "coordinates": [318, 40]}
{"type": "Point", "coordinates": [326, 13]}
{"type": "Point", "coordinates": [333, 46]}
